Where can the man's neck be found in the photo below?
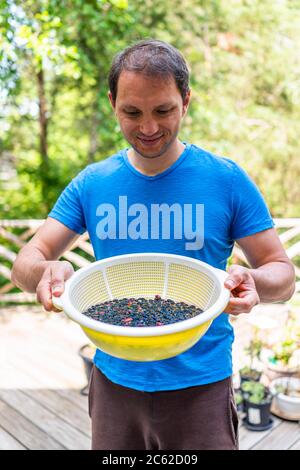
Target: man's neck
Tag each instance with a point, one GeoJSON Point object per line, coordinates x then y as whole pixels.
{"type": "Point", "coordinates": [155, 166]}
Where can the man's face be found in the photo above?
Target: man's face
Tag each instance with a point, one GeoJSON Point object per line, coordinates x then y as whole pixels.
{"type": "Point", "coordinates": [149, 110]}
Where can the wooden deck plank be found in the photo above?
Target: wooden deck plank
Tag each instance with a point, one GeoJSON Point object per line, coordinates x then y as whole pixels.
{"type": "Point", "coordinates": [49, 422]}
{"type": "Point", "coordinates": [48, 324]}
{"type": "Point", "coordinates": [46, 359]}
{"type": "Point", "coordinates": [64, 408]}
{"type": "Point", "coordinates": [248, 439]}
{"type": "Point", "coordinates": [39, 362]}
{"type": "Point", "coordinates": [41, 374]}
{"type": "Point", "coordinates": [29, 434]}
{"type": "Point", "coordinates": [55, 340]}
{"type": "Point", "coordinates": [52, 366]}
{"type": "Point", "coordinates": [76, 397]}
{"type": "Point", "coordinates": [55, 343]}
{"type": "Point", "coordinates": [13, 377]}
{"type": "Point", "coordinates": [295, 446]}
{"type": "Point", "coordinates": [27, 322]}
{"type": "Point", "coordinates": [8, 442]}
{"type": "Point", "coordinates": [282, 438]}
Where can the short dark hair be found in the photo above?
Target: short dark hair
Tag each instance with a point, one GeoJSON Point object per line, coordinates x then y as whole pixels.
{"type": "Point", "coordinates": [152, 58]}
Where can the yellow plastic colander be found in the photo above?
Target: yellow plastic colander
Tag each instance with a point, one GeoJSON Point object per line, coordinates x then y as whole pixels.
{"type": "Point", "coordinates": [175, 277]}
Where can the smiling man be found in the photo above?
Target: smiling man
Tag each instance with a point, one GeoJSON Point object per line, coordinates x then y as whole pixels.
{"type": "Point", "coordinates": [162, 195]}
{"type": "Point", "coordinates": [150, 113]}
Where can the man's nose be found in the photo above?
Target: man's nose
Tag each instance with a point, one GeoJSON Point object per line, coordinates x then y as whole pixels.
{"type": "Point", "coordinates": [149, 127]}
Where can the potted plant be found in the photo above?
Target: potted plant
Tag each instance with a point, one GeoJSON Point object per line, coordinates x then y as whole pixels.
{"type": "Point", "coordinates": [87, 353]}
{"type": "Point", "coordinates": [284, 359]}
{"type": "Point", "coordinates": [249, 373]}
{"type": "Point", "coordinates": [253, 350]}
{"type": "Point", "coordinates": [257, 404]}
{"type": "Point", "coordinates": [286, 391]}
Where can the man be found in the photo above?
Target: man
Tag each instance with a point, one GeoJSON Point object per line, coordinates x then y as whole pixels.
{"type": "Point", "coordinates": [185, 402]}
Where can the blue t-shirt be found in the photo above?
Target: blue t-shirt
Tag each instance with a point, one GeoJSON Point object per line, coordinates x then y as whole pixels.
{"type": "Point", "coordinates": [197, 207]}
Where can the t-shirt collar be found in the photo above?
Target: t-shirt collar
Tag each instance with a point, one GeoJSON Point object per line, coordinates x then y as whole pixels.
{"type": "Point", "coordinates": [159, 175]}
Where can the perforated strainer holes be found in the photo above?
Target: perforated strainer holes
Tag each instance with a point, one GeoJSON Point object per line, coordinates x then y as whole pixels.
{"type": "Point", "coordinates": [215, 295]}
{"type": "Point", "coordinates": [89, 291]}
{"type": "Point", "coordinates": [136, 279]}
{"type": "Point", "coordinates": [190, 286]}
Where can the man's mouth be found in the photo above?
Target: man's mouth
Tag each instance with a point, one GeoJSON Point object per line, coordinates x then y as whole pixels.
{"type": "Point", "coordinates": [148, 141]}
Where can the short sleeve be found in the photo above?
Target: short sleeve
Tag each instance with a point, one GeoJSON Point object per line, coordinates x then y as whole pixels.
{"type": "Point", "coordinates": [68, 207]}
{"type": "Point", "coordinates": [250, 213]}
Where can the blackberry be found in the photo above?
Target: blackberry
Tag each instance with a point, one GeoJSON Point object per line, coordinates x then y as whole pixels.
{"type": "Point", "coordinates": [141, 312]}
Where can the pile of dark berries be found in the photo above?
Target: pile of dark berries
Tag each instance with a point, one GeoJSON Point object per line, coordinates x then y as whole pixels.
{"type": "Point", "coordinates": [141, 311]}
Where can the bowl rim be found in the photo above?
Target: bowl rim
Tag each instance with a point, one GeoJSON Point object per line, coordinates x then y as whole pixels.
{"type": "Point", "coordinates": [282, 396]}
{"type": "Point", "coordinates": [211, 313]}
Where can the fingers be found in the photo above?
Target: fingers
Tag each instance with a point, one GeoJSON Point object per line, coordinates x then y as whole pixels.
{"type": "Point", "coordinates": [243, 293]}
{"type": "Point", "coordinates": [57, 281]}
{"type": "Point", "coordinates": [52, 283]}
{"type": "Point", "coordinates": [43, 294]}
{"type": "Point", "coordinates": [242, 304]}
{"type": "Point", "coordinates": [236, 276]}
{"type": "Point", "coordinates": [60, 272]}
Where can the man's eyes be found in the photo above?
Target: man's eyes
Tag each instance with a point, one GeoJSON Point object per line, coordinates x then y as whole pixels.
{"type": "Point", "coordinates": [136, 113]}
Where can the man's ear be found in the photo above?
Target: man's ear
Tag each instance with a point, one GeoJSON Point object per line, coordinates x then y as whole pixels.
{"type": "Point", "coordinates": [186, 102]}
{"type": "Point", "coordinates": [112, 102]}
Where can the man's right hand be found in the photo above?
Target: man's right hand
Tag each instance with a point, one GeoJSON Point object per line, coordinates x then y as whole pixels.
{"type": "Point", "coordinates": [52, 283]}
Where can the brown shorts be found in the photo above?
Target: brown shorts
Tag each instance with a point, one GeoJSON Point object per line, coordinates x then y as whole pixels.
{"type": "Point", "coordinates": [194, 418]}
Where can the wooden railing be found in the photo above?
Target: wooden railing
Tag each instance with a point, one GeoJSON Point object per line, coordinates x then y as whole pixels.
{"type": "Point", "coordinates": [14, 234]}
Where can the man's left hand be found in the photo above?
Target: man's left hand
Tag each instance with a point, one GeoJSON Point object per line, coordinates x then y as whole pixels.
{"type": "Point", "coordinates": [243, 293]}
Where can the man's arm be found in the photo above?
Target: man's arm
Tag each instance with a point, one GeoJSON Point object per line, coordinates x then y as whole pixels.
{"type": "Point", "coordinates": [37, 261]}
{"type": "Point", "coordinates": [272, 270]}
{"type": "Point", "coordinates": [271, 277]}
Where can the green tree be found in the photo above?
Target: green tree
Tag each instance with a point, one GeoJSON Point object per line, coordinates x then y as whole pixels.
{"type": "Point", "coordinates": [56, 118]}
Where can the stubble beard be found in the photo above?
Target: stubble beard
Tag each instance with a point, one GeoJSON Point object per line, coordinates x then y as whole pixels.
{"type": "Point", "coordinates": [163, 150]}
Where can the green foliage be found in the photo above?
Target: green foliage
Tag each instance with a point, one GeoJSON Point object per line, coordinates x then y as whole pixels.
{"type": "Point", "coordinates": [244, 63]}
{"type": "Point", "coordinates": [238, 398]}
{"type": "Point", "coordinates": [255, 392]}
{"type": "Point", "coordinates": [249, 373]}
{"type": "Point", "coordinates": [254, 348]}
{"type": "Point", "coordinates": [284, 351]}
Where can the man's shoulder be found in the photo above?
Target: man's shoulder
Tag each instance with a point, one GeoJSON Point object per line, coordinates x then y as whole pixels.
{"type": "Point", "coordinates": [210, 159]}
{"type": "Point", "coordinates": [104, 167]}
{"type": "Point", "coordinates": [109, 163]}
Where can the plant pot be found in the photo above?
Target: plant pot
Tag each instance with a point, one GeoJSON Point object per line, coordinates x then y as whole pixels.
{"type": "Point", "coordinates": [258, 416]}
{"type": "Point", "coordinates": [253, 374]}
{"type": "Point", "coordinates": [275, 370]}
{"type": "Point", "coordinates": [287, 405]}
{"type": "Point", "coordinates": [87, 353]}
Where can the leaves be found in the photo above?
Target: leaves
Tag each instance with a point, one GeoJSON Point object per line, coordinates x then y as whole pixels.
{"type": "Point", "coordinates": [244, 62]}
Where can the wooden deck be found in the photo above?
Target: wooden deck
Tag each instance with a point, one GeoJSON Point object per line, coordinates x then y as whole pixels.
{"type": "Point", "coordinates": [41, 377]}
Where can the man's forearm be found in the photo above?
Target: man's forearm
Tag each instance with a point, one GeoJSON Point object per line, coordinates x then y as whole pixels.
{"type": "Point", "coordinates": [274, 281]}
{"type": "Point", "coordinates": [28, 269]}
